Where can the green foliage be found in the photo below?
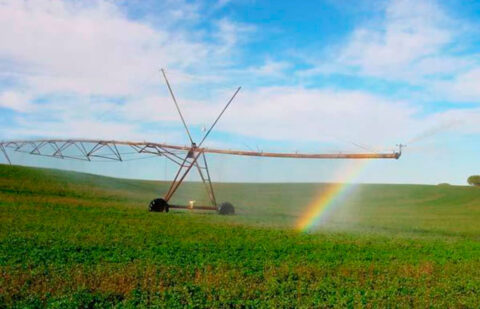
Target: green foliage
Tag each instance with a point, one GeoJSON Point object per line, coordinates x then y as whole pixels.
{"type": "Point", "coordinates": [474, 180]}
{"type": "Point", "coordinates": [71, 240]}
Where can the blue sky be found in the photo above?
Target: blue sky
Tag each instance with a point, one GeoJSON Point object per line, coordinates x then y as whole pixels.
{"type": "Point", "coordinates": [317, 76]}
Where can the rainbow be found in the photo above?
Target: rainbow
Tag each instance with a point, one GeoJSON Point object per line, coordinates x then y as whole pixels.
{"type": "Point", "coordinates": [328, 198]}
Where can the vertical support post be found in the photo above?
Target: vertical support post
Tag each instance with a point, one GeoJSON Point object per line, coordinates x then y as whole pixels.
{"type": "Point", "coordinates": [206, 182]}
{"type": "Point", "coordinates": [214, 200]}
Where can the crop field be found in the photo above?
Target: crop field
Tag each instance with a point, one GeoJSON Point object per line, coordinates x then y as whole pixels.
{"type": "Point", "coordinates": [77, 240]}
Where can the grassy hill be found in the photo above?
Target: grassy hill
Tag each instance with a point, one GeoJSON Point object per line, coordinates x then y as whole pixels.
{"type": "Point", "coordinates": [72, 239]}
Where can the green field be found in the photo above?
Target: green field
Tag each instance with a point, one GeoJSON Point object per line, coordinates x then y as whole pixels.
{"type": "Point", "coordinates": [77, 240]}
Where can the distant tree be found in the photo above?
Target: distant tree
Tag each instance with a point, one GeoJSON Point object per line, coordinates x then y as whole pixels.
{"type": "Point", "coordinates": [443, 184]}
{"type": "Point", "coordinates": [474, 180]}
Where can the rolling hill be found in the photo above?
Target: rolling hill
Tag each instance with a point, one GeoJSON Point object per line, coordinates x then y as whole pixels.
{"type": "Point", "coordinates": [72, 239]}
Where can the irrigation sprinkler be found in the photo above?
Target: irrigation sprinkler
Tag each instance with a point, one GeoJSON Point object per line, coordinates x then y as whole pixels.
{"type": "Point", "coordinates": [186, 158]}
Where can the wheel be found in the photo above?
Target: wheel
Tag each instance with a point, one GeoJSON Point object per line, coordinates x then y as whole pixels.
{"type": "Point", "coordinates": [226, 208]}
{"type": "Point", "coordinates": [158, 205]}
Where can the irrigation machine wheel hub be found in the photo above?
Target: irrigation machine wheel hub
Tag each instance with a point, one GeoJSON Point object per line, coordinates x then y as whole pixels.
{"type": "Point", "coordinates": [226, 208]}
{"type": "Point", "coordinates": [158, 205]}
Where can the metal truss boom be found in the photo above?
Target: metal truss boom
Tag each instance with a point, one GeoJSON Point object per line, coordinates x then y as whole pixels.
{"type": "Point", "coordinates": [108, 149]}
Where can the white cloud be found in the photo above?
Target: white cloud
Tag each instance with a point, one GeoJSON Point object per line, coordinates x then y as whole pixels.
{"type": "Point", "coordinates": [460, 121]}
{"type": "Point", "coordinates": [66, 52]}
{"type": "Point", "coordinates": [15, 101]}
{"type": "Point", "coordinates": [301, 115]}
{"type": "Point", "coordinates": [230, 34]}
{"type": "Point", "coordinates": [318, 115]}
{"type": "Point", "coordinates": [77, 128]}
{"type": "Point", "coordinates": [270, 68]}
{"type": "Point", "coordinates": [411, 30]}
{"type": "Point", "coordinates": [464, 87]}
{"type": "Point", "coordinates": [293, 114]}
{"type": "Point", "coordinates": [413, 42]}
{"type": "Point", "coordinates": [95, 49]}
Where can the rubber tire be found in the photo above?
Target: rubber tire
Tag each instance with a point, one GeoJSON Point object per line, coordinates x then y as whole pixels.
{"type": "Point", "coordinates": [226, 208]}
{"type": "Point", "coordinates": [158, 205]}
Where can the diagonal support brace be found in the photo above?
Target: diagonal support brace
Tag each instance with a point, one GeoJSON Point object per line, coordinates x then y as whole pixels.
{"type": "Point", "coordinates": [2, 148]}
{"type": "Point", "coordinates": [176, 183]}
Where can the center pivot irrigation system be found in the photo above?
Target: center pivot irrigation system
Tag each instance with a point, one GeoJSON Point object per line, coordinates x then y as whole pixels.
{"type": "Point", "coordinates": [185, 157]}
